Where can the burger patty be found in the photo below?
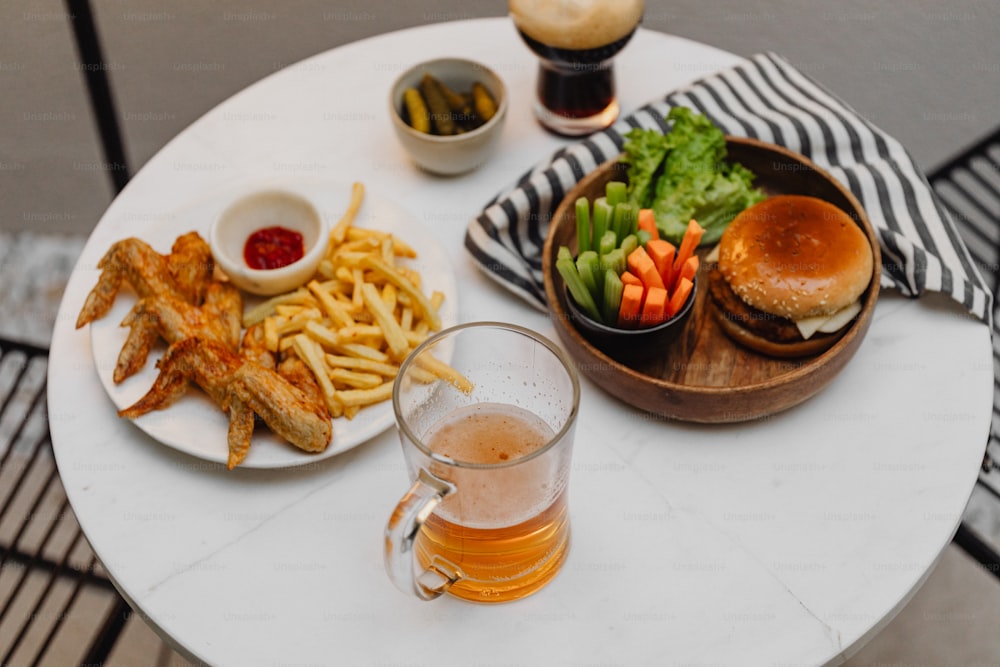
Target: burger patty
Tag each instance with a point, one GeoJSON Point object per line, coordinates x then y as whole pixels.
{"type": "Point", "coordinates": [732, 307]}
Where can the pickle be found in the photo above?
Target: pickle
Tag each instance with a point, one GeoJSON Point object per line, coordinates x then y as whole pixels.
{"type": "Point", "coordinates": [485, 106]}
{"type": "Point", "coordinates": [457, 102]}
{"type": "Point", "coordinates": [416, 111]}
{"type": "Point", "coordinates": [437, 104]}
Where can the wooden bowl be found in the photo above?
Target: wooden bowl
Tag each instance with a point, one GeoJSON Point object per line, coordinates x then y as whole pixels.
{"type": "Point", "coordinates": [703, 376]}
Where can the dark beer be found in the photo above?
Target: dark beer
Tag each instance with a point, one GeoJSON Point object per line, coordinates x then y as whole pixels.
{"type": "Point", "coordinates": [576, 42]}
{"type": "Point", "coordinates": [576, 83]}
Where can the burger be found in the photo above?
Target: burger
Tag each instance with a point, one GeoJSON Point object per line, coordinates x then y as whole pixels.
{"type": "Point", "coordinates": [790, 274]}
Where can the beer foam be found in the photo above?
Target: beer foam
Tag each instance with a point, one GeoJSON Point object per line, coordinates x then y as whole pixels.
{"type": "Point", "coordinates": [576, 24]}
{"type": "Point", "coordinates": [494, 434]}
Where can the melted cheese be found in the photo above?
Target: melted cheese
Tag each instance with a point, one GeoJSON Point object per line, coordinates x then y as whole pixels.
{"type": "Point", "coordinates": [828, 323]}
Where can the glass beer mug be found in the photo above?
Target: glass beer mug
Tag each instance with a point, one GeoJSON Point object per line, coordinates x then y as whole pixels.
{"type": "Point", "coordinates": [485, 413]}
{"type": "Point", "coordinates": [576, 41]}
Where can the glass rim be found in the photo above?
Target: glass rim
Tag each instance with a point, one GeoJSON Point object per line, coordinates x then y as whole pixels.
{"type": "Point", "coordinates": [546, 342]}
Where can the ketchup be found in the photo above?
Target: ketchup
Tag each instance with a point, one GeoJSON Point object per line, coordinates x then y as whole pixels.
{"type": "Point", "coordinates": [273, 248]}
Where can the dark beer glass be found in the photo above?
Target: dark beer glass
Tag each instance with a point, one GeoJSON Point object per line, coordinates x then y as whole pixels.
{"type": "Point", "coordinates": [576, 80]}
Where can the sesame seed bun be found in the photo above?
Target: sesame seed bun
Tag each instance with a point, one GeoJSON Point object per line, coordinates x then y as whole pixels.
{"type": "Point", "coordinates": [796, 257]}
{"type": "Point", "coordinates": [788, 258]}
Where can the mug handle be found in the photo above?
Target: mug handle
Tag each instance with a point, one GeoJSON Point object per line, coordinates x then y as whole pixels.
{"type": "Point", "coordinates": [401, 531]}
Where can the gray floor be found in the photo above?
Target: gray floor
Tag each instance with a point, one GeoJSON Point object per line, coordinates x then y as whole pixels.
{"type": "Point", "coordinates": [926, 72]}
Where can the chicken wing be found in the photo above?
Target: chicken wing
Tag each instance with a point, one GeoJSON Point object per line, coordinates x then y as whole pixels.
{"type": "Point", "coordinates": [185, 274]}
{"type": "Point", "coordinates": [129, 260]}
{"type": "Point", "coordinates": [191, 265]}
{"type": "Point", "coordinates": [242, 389]}
{"type": "Point", "coordinates": [170, 317]}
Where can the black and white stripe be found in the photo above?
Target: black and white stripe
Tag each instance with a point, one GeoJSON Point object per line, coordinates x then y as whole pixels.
{"type": "Point", "coordinates": [768, 99]}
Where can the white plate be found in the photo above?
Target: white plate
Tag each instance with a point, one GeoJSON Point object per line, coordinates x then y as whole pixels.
{"type": "Point", "coordinates": [195, 425]}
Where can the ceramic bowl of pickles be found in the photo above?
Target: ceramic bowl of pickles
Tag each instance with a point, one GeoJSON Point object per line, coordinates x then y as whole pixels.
{"type": "Point", "coordinates": [448, 114]}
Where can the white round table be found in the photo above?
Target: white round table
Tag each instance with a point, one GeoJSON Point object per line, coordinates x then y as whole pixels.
{"type": "Point", "coordinates": [789, 540]}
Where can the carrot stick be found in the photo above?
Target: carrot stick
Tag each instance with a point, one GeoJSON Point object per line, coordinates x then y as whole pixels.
{"type": "Point", "coordinates": [654, 307]}
{"type": "Point", "coordinates": [642, 266]}
{"type": "Point", "coordinates": [630, 278]}
{"type": "Point", "coordinates": [692, 237]}
{"type": "Point", "coordinates": [628, 312]}
{"type": "Point", "coordinates": [662, 253]}
{"type": "Point", "coordinates": [679, 297]}
{"type": "Point", "coordinates": [647, 221]}
{"type": "Point", "coordinates": [689, 269]}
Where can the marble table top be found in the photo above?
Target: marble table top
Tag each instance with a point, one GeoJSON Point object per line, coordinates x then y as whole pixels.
{"type": "Point", "coordinates": [789, 540]}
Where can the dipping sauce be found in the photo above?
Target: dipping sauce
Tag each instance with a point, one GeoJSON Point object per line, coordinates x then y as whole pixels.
{"type": "Point", "coordinates": [273, 248]}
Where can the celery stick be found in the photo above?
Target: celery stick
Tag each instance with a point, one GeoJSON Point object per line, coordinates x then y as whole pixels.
{"type": "Point", "coordinates": [583, 242]}
{"type": "Point", "coordinates": [564, 253]}
{"type": "Point", "coordinates": [588, 265]}
{"type": "Point", "coordinates": [643, 236]}
{"type": "Point", "coordinates": [616, 192]}
{"type": "Point", "coordinates": [614, 261]}
{"type": "Point", "coordinates": [628, 244]}
{"type": "Point", "coordinates": [577, 290]}
{"type": "Point", "coordinates": [613, 288]}
{"type": "Point", "coordinates": [617, 223]}
{"type": "Point", "coordinates": [625, 219]}
{"type": "Point", "coordinates": [602, 218]}
{"type": "Point", "coordinates": [607, 243]}
{"type": "Point", "coordinates": [631, 218]}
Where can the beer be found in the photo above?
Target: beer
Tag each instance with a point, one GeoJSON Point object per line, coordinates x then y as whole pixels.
{"type": "Point", "coordinates": [488, 457]}
{"type": "Point", "coordinates": [576, 41]}
{"type": "Point", "coordinates": [507, 535]}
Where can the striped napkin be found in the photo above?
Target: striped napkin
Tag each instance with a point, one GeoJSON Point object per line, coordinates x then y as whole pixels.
{"type": "Point", "coordinates": [767, 99]}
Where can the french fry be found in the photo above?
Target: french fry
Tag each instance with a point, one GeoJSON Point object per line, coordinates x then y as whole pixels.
{"type": "Point", "coordinates": [360, 364]}
{"type": "Point", "coordinates": [358, 276]}
{"type": "Point", "coordinates": [358, 318]}
{"type": "Point", "coordinates": [286, 310]}
{"type": "Point", "coordinates": [415, 337]}
{"type": "Point", "coordinates": [402, 282]}
{"type": "Point", "coordinates": [355, 379]}
{"type": "Point", "coordinates": [422, 375]}
{"type": "Point", "coordinates": [390, 298]}
{"type": "Point", "coordinates": [359, 333]}
{"type": "Point", "coordinates": [388, 254]}
{"type": "Point", "coordinates": [271, 337]}
{"type": "Point", "coordinates": [437, 299]}
{"type": "Point", "coordinates": [326, 268]}
{"type": "Point", "coordinates": [266, 308]}
{"type": "Point", "coordinates": [336, 408]}
{"type": "Point", "coordinates": [355, 233]}
{"type": "Point", "coordinates": [406, 319]}
{"type": "Point", "coordinates": [309, 352]}
{"type": "Point", "coordinates": [444, 372]}
{"type": "Point", "coordinates": [289, 326]}
{"type": "Point", "coordinates": [349, 397]}
{"type": "Point", "coordinates": [333, 308]}
{"type": "Point", "coordinates": [363, 352]}
{"type": "Point", "coordinates": [402, 248]}
{"type": "Point", "coordinates": [399, 346]}
{"type": "Point", "coordinates": [339, 231]}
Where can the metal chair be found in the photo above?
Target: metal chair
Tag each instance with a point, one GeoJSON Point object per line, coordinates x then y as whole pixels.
{"type": "Point", "coordinates": [54, 596]}
{"type": "Point", "coordinates": [969, 186]}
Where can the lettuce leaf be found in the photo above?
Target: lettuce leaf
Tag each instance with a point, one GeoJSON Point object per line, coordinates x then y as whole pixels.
{"type": "Point", "coordinates": [684, 174]}
{"type": "Point", "coordinates": [645, 151]}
